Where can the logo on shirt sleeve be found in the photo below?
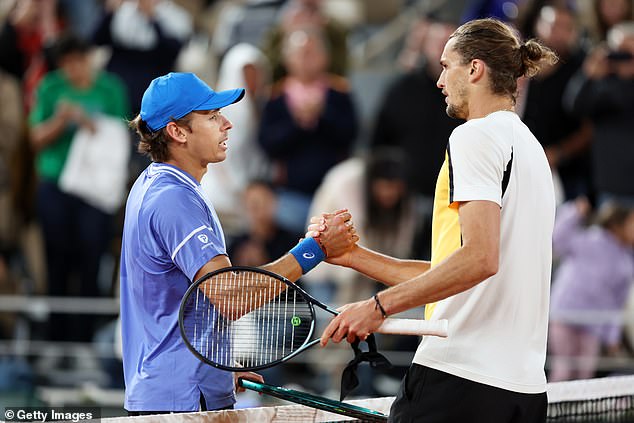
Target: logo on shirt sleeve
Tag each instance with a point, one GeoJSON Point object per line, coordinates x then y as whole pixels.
{"type": "Point", "coordinates": [205, 240]}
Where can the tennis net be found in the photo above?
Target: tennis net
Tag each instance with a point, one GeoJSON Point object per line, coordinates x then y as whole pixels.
{"type": "Point", "coordinates": [602, 400]}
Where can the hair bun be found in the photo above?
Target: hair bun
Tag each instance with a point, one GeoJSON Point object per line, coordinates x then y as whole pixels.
{"type": "Point", "coordinates": [532, 56]}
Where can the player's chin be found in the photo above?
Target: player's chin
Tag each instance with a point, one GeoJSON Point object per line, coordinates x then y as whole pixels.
{"type": "Point", "coordinates": [219, 157]}
{"type": "Point", "coordinates": [453, 112]}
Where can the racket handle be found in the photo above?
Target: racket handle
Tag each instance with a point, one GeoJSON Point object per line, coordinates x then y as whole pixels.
{"type": "Point", "coordinates": [415, 327]}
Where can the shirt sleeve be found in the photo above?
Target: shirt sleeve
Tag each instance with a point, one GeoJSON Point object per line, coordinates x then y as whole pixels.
{"type": "Point", "coordinates": [188, 231]}
{"type": "Point", "coordinates": [476, 166]}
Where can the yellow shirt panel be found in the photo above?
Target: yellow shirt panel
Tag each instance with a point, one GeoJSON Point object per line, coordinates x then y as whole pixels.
{"type": "Point", "coordinates": [445, 234]}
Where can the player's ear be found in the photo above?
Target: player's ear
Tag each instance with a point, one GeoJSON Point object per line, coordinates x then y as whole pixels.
{"type": "Point", "coordinates": [176, 132]}
{"type": "Point", "coordinates": [476, 69]}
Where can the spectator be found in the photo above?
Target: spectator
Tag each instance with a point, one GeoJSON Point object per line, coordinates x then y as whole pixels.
{"type": "Point", "coordinates": [375, 189]}
{"type": "Point", "coordinates": [75, 234]}
{"type": "Point", "coordinates": [595, 274]}
{"type": "Point", "coordinates": [603, 91]}
{"type": "Point", "coordinates": [308, 125]}
{"type": "Point", "coordinates": [31, 26]}
{"type": "Point", "coordinates": [224, 183]}
{"type": "Point", "coordinates": [412, 116]}
{"type": "Point", "coordinates": [301, 14]}
{"type": "Point", "coordinates": [565, 137]}
{"type": "Point", "coordinates": [263, 241]}
{"type": "Point", "coordinates": [145, 37]}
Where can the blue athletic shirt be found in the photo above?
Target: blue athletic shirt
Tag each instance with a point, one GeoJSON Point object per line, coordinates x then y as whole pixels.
{"type": "Point", "coordinates": [171, 230]}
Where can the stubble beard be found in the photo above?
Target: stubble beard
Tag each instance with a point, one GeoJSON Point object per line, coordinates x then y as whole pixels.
{"type": "Point", "coordinates": [452, 111]}
{"type": "Point", "coordinates": [458, 111]}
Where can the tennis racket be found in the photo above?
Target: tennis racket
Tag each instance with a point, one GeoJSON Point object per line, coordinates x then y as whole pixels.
{"type": "Point", "coordinates": [315, 401]}
{"type": "Point", "coordinates": [245, 319]}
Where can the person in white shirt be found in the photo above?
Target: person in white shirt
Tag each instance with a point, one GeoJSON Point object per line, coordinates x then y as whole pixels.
{"type": "Point", "coordinates": [489, 273]}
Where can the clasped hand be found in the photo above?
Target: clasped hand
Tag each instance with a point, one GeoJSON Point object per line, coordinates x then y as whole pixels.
{"type": "Point", "coordinates": [335, 232]}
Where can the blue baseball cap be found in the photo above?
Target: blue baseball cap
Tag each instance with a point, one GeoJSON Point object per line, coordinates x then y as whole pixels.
{"type": "Point", "coordinates": [174, 95]}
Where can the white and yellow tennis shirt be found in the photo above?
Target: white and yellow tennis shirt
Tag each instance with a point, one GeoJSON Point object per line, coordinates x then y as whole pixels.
{"type": "Point", "coordinates": [497, 329]}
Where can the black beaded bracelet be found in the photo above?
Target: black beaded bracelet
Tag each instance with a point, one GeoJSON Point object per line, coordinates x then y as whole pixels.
{"type": "Point", "coordinates": [379, 306]}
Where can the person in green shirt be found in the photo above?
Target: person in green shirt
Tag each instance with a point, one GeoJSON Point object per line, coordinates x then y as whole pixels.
{"type": "Point", "coordinates": [75, 233]}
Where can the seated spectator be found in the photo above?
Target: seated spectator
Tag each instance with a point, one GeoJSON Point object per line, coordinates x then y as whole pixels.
{"type": "Point", "coordinates": [376, 191]}
{"type": "Point", "coordinates": [75, 233]}
{"type": "Point", "coordinates": [308, 125]}
{"type": "Point", "coordinates": [300, 14]}
{"type": "Point", "coordinates": [263, 240]}
{"type": "Point", "coordinates": [595, 274]}
{"type": "Point", "coordinates": [224, 183]}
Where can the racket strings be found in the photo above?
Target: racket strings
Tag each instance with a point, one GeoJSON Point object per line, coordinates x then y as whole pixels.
{"type": "Point", "coordinates": [246, 319]}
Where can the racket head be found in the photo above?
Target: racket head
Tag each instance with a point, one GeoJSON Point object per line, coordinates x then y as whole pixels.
{"type": "Point", "coordinates": [315, 401]}
{"type": "Point", "coordinates": [234, 320]}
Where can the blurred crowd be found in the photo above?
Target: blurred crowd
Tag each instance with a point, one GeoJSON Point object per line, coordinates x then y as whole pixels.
{"type": "Point", "coordinates": [73, 71]}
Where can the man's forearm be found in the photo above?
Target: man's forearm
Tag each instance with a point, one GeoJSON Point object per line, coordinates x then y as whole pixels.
{"type": "Point", "coordinates": [459, 272]}
{"type": "Point", "coordinates": [286, 266]}
{"type": "Point", "coordinates": [385, 269]}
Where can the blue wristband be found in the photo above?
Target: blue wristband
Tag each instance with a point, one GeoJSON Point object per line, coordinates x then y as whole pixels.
{"type": "Point", "coordinates": [308, 254]}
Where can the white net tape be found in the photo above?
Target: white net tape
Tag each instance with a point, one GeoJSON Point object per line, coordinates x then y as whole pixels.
{"type": "Point", "coordinates": [279, 414]}
{"type": "Point", "coordinates": [583, 392]}
{"type": "Point", "coordinates": [579, 390]}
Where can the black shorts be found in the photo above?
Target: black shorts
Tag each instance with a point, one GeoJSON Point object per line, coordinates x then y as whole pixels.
{"type": "Point", "coordinates": [431, 396]}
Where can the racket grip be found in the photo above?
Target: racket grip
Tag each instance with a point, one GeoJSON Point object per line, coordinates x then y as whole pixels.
{"type": "Point", "coordinates": [415, 327]}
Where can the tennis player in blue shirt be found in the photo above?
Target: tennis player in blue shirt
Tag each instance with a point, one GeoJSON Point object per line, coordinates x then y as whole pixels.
{"type": "Point", "coordinates": [172, 237]}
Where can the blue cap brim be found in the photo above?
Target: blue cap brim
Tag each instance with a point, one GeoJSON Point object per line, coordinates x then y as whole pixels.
{"type": "Point", "coordinates": [222, 99]}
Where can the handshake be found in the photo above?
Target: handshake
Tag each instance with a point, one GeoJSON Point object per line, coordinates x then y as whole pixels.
{"type": "Point", "coordinates": [336, 235]}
